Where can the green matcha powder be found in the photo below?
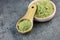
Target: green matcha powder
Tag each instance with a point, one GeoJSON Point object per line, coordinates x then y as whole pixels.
{"type": "Point", "coordinates": [44, 9]}
{"type": "Point", "coordinates": [24, 25]}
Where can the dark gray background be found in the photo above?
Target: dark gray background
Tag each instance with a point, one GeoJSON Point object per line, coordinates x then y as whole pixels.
{"type": "Point", "coordinates": [12, 10]}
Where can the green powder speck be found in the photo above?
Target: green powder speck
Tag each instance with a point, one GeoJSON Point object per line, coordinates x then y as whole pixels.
{"type": "Point", "coordinates": [44, 9]}
{"type": "Point", "coordinates": [24, 25]}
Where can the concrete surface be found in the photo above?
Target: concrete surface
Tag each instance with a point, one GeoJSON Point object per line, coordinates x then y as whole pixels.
{"type": "Point", "coordinates": [12, 10]}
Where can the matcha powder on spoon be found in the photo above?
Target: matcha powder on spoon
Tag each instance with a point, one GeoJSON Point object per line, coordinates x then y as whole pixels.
{"type": "Point", "coordinates": [24, 25]}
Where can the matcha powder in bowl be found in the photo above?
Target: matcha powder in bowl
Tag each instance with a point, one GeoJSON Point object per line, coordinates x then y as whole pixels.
{"type": "Point", "coordinates": [24, 25]}
{"type": "Point", "coordinates": [44, 9]}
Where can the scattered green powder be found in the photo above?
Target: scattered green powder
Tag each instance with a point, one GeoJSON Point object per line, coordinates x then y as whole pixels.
{"type": "Point", "coordinates": [44, 9]}
{"type": "Point", "coordinates": [24, 25]}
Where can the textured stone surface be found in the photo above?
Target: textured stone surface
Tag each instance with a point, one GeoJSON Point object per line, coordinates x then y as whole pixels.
{"type": "Point", "coordinates": [12, 10]}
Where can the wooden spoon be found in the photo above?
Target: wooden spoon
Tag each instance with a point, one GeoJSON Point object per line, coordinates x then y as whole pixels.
{"type": "Point", "coordinates": [29, 15]}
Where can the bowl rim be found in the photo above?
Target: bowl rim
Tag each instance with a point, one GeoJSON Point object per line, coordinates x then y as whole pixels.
{"type": "Point", "coordinates": [48, 16]}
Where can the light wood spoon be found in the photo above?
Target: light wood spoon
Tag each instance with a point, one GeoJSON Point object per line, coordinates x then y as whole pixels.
{"type": "Point", "coordinates": [29, 15]}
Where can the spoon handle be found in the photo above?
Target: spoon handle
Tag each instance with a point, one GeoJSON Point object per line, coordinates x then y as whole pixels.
{"type": "Point", "coordinates": [30, 12]}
